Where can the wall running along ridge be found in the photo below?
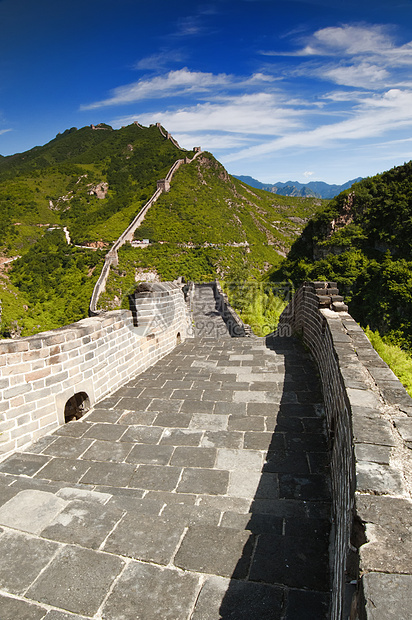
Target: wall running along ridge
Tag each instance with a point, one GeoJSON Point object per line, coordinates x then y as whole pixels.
{"type": "Point", "coordinates": [369, 419]}
{"type": "Point", "coordinates": [111, 258]}
{"type": "Point", "coordinates": [95, 356]}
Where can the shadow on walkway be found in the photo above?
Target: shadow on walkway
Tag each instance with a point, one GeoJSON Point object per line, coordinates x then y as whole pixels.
{"type": "Point", "coordinates": [283, 573]}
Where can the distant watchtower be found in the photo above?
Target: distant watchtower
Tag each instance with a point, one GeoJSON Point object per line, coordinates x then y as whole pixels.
{"type": "Point", "coordinates": [163, 184]}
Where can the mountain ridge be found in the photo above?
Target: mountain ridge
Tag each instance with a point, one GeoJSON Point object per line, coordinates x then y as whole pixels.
{"type": "Point", "coordinates": [92, 182]}
{"type": "Point", "coordinates": [314, 189]}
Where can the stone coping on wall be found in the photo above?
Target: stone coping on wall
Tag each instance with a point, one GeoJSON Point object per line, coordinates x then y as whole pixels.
{"type": "Point", "coordinates": [156, 287]}
{"type": "Point", "coordinates": [382, 439]}
{"type": "Point", "coordinates": [83, 327]}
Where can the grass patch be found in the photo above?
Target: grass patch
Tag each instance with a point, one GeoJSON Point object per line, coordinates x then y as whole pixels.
{"type": "Point", "coordinates": [398, 360]}
{"type": "Point", "coordinates": [259, 304]}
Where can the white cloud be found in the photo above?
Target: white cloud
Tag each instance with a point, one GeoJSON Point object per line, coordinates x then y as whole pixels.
{"type": "Point", "coordinates": [180, 83]}
{"type": "Point", "coordinates": [262, 77]}
{"type": "Point", "coordinates": [159, 61]}
{"type": "Point", "coordinates": [401, 55]}
{"type": "Point", "coordinates": [362, 75]}
{"type": "Point", "coordinates": [348, 40]}
{"type": "Point", "coordinates": [308, 174]}
{"type": "Point", "coordinates": [173, 83]}
{"type": "Point", "coordinates": [189, 26]}
{"type": "Point", "coordinates": [358, 41]}
{"type": "Point", "coordinates": [373, 118]}
{"type": "Point", "coordinates": [367, 55]}
{"type": "Point", "coordinates": [342, 96]}
{"type": "Point", "coordinates": [392, 143]}
{"type": "Point", "coordinates": [257, 114]}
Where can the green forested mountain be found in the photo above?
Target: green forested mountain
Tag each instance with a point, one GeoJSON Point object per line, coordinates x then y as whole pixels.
{"type": "Point", "coordinates": [84, 188]}
{"type": "Point", "coordinates": [90, 182]}
{"type": "Point", "coordinates": [49, 286]}
{"type": "Point", "coordinates": [211, 225]}
{"type": "Point", "coordinates": [53, 184]}
{"type": "Point", "coordinates": [362, 240]}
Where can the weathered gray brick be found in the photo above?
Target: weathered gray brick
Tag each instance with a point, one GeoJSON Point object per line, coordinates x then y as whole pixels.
{"type": "Point", "coordinates": [14, 346]}
{"type": "Point", "coordinates": [16, 433]}
{"type": "Point", "coordinates": [4, 404]}
{"type": "Point", "coordinates": [7, 446]}
{"type": "Point", "coordinates": [70, 345]}
{"type": "Point", "coordinates": [36, 342]}
{"type": "Point", "coordinates": [17, 390]}
{"type": "Point", "coordinates": [58, 378]}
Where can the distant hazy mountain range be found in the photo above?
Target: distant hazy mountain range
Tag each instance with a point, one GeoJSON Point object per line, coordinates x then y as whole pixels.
{"type": "Point", "coordinates": [316, 189]}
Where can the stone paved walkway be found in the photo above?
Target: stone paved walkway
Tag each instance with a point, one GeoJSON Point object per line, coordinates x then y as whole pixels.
{"type": "Point", "coordinates": [197, 491]}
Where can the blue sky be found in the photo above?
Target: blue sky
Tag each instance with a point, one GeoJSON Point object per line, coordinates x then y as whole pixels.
{"type": "Point", "coordinates": [278, 90]}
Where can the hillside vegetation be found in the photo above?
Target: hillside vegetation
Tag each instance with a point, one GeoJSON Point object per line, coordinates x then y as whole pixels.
{"type": "Point", "coordinates": [210, 225]}
{"type": "Point", "coordinates": [54, 184]}
{"type": "Point", "coordinates": [90, 182]}
{"type": "Point", "coordinates": [85, 186]}
{"type": "Point", "coordinates": [362, 240]}
{"type": "Point", "coordinates": [49, 287]}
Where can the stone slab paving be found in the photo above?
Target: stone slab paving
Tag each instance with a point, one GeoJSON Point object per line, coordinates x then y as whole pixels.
{"type": "Point", "coordinates": [198, 491]}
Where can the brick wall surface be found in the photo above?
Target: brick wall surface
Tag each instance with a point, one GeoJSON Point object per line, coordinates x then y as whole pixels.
{"type": "Point", "coordinates": [96, 355]}
{"type": "Point", "coordinates": [369, 417]}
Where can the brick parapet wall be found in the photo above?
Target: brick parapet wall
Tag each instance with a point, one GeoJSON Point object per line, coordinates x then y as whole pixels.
{"type": "Point", "coordinates": [97, 355]}
{"type": "Point", "coordinates": [370, 432]}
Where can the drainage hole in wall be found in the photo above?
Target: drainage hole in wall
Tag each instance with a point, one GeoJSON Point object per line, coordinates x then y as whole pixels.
{"type": "Point", "coordinates": [76, 407]}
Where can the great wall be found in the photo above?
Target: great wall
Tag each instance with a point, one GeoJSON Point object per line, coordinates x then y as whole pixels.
{"type": "Point", "coordinates": [163, 185]}
{"type": "Point", "coordinates": [207, 466]}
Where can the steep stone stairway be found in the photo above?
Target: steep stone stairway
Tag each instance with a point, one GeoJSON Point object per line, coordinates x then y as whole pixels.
{"type": "Point", "coordinates": [198, 491]}
{"type": "Point", "coordinates": [208, 317]}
